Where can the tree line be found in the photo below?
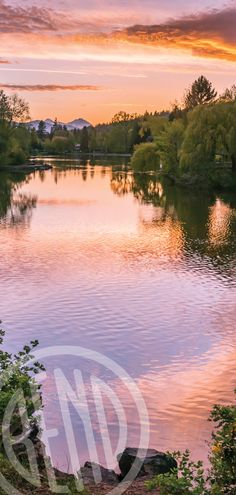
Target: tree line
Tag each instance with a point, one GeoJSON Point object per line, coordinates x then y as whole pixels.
{"type": "Point", "coordinates": [195, 138]}
{"type": "Point", "coordinates": [198, 139]}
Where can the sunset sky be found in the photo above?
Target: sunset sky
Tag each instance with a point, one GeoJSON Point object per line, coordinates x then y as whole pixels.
{"type": "Point", "coordinates": [90, 59]}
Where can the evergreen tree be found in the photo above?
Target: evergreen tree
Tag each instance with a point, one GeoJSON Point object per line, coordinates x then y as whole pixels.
{"type": "Point", "coordinates": [41, 132]}
{"type": "Point", "coordinates": [200, 93]}
{"type": "Point", "coordinates": [84, 143]}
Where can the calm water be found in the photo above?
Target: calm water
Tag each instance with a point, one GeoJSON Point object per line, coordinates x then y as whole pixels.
{"type": "Point", "coordinates": [143, 273]}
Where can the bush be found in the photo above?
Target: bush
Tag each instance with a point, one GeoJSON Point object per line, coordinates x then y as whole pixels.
{"type": "Point", "coordinates": [186, 480]}
{"type": "Point", "coordinates": [223, 455]}
{"type": "Point", "coordinates": [17, 374]}
{"type": "Point", "coordinates": [190, 478]}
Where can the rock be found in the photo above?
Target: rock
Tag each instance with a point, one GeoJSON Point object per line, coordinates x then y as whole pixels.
{"type": "Point", "coordinates": [150, 462]}
{"type": "Point", "coordinates": [93, 474]}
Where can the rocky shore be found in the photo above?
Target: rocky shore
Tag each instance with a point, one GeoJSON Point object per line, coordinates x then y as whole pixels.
{"type": "Point", "coordinates": [136, 468]}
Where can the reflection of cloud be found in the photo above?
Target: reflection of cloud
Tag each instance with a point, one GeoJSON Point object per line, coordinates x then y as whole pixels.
{"type": "Point", "coordinates": [180, 396]}
{"type": "Point", "coordinates": [49, 87]}
{"type": "Point", "coordinates": [2, 61]}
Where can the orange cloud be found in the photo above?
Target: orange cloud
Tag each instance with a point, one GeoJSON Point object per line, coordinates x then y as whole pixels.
{"type": "Point", "coordinates": [49, 87]}
{"type": "Point", "coordinates": [210, 34]}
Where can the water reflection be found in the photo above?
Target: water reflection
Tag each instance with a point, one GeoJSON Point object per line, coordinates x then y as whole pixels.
{"type": "Point", "coordinates": [15, 207]}
{"type": "Point", "coordinates": [207, 221]}
{"type": "Point", "coordinates": [136, 269]}
{"type": "Point", "coordinates": [220, 218]}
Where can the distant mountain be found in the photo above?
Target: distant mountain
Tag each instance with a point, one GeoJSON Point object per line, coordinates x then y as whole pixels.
{"type": "Point", "coordinates": [75, 124]}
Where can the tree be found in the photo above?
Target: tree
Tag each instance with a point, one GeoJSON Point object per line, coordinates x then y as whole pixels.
{"type": "Point", "coordinates": [229, 94]}
{"type": "Point", "coordinates": [199, 145]}
{"type": "Point", "coordinates": [55, 126]}
{"type": "Point", "coordinates": [41, 129]}
{"type": "Point", "coordinates": [146, 157]}
{"type": "Point", "coordinates": [5, 110]}
{"type": "Point", "coordinates": [134, 135]}
{"type": "Point", "coordinates": [169, 144]}
{"type": "Point", "coordinates": [14, 138]}
{"type": "Point", "coordinates": [121, 117]}
{"type": "Point", "coordinates": [84, 143]}
{"type": "Point", "coordinates": [13, 108]}
{"type": "Point", "coordinates": [59, 144]}
{"type": "Point", "coordinates": [176, 113]}
{"type": "Point", "coordinates": [19, 109]}
{"type": "Point", "coordinates": [200, 93]}
{"type": "Point", "coordinates": [123, 120]}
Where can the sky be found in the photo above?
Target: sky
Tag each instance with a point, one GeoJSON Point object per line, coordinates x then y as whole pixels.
{"type": "Point", "coordinates": [93, 58]}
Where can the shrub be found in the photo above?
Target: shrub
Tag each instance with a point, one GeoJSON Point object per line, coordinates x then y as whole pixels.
{"type": "Point", "coordinates": [190, 477]}
{"type": "Point", "coordinates": [223, 451]}
{"type": "Point", "coordinates": [17, 374]}
{"type": "Point", "coordinates": [187, 479]}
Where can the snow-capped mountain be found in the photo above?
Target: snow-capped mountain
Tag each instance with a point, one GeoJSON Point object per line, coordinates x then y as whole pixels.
{"type": "Point", "coordinates": [49, 123]}
{"type": "Point", "coordinates": [77, 124]}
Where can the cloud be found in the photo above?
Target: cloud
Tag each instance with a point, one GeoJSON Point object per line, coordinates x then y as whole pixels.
{"type": "Point", "coordinates": [19, 19]}
{"type": "Point", "coordinates": [49, 87]}
{"type": "Point", "coordinates": [209, 34]}
{"type": "Point", "coordinates": [32, 19]}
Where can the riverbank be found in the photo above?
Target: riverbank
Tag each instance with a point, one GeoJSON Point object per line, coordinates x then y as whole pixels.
{"type": "Point", "coordinates": [137, 469]}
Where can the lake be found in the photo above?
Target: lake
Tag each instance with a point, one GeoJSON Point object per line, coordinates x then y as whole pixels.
{"type": "Point", "coordinates": [143, 273]}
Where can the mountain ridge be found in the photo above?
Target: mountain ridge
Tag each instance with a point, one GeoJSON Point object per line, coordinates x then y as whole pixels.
{"type": "Point", "coordinates": [76, 124]}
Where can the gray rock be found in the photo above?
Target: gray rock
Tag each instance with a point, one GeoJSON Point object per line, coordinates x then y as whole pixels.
{"type": "Point", "coordinates": [148, 462]}
{"type": "Point", "coordinates": [93, 474]}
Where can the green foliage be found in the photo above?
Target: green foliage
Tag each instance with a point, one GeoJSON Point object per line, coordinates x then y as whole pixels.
{"type": "Point", "coordinates": [152, 125]}
{"type": "Point", "coordinates": [199, 145]}
{"type": "Point", "coordinates": [41, 132]}
{"type": "Point", "coordinates": [14, 139]}
{"type": "Point", "coordinates": [146, 158]}
{"type": "Point", "coordinates": [190, 477]}
{"type": "Point", "coordinates": [223, 455]}
{"type": "Point", "coordinates": [211, 131]}
{"type": "Point", "coordinates": [123, 117]}
{"type": "Point", "coordinates": [17, 373]}
{"type": "Point", "coordinates": [187, 479]}
{"type": "Point", "coordinates": [200, 93]}
{"type": "Point", "coordinates": [169, 143]}
{"type": "Point", "coordinates": [84, 143]}
{"type": "Point", "coordinates": [13, 108]}
{"type": "Point", "coordinates": [59, 145]}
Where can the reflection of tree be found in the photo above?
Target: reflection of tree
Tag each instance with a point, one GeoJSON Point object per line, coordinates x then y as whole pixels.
{"type": "Point", "coordinates": [144, 187]}
{"type": "Point", "coordinates": [86, 167]}
{"type": "Point", "coordinates": [122, 183]}
{"type": "Point", "coordinates": [207, 220]}
{"type": "Point", "coordinates": [148, 189]}
{"type": "Point", "coordinates": [15, 207]}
